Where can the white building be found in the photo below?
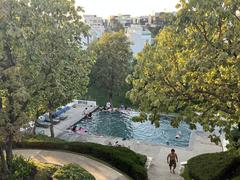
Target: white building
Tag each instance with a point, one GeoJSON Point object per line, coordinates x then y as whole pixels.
{"type": "Point", "coordinates": [125, 20]}
{"type": "Point", "coordinates": [138, 36]}
{"type": "Point", "coordinates": [96, 28]}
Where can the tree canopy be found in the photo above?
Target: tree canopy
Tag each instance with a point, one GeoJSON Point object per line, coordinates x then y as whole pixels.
{"type": "Point", "coordinates": [164, 19]}
{"type": "Point", "coordinates": [42, 65]}
{"type": "Point", "coordinates": [114, 26]}
{"type": "Point", "coordinates": [113, 59]}
{"type": "Point", "coordinates": [193, 69]}
{"type": "Point", "coordinates": [62, 66]}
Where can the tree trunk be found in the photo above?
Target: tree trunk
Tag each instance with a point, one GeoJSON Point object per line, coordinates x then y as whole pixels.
{"type": "Point", "coordinates": [34, 128]}
{"type": "Point", "coordinates": [51, 126]}
{"type": "Point", "coordinates": [110, 97]}
{"type": "Point", "coordinates": [3, 161]}
{"type": "Point", "coordinates": [9, 152]}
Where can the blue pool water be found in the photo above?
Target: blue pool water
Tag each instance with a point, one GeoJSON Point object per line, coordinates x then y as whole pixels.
{"type": "Point", "coordinates": [120, 125]}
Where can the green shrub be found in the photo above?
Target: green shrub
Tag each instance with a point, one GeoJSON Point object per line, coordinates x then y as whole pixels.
{"type": "Point", "coordinates": [214, 166]}
{"type": "Point", "coordinates": [122, 158]}
{"type": "Point", "coordinates": [45, 171]}
{"type": "Point", "coordinates": [22, 168]}
{"type": "Point", "coordinates": [236, 175]}
{"type": "Point", "coordinates": [72, 172]}
{"type": "Point", "coordinates": [40, 138]}
{"type": "Point", "coordinates": [185, 174]}
{"type": "Point", "coordinates": [236, 178]}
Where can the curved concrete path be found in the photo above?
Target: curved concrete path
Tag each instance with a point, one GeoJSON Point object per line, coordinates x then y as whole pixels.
{"type": "Point", "coordinates": [159, 169]}
{"type": "Point", "coordinates": [98, 170]}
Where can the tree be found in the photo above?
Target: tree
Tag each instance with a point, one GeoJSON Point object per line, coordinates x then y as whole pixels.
{"type": "Point", "coordinates": [193, 69]}
{"type": "Point", "coordinates": [12, 91]}
{"type": "Point", "coordinates": [41, 63]}
{"type": "Point", "coordinates": [62, 66]}
{"type": "Point", "coordinates": [113, 56]}
{"type": "Point", "coordinates": [114, 26]}
{"type": "Point", "coordinates": [164, 19]}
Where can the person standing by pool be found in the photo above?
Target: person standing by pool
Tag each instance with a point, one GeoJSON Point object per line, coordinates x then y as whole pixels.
{"type": "Point", "coordinates": [108, 105]}
{"type": "Point", "coordinates": [85, 112]}
{"type": "Point", "coordinates": [89, 115]}
{"type": "Point", "coordinates": [172, 160]}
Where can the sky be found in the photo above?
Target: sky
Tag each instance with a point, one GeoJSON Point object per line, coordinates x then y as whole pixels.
{"type": "Point", "coordinates": [106, 8]}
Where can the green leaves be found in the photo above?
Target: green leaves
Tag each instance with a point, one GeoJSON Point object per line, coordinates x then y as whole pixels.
{"type": "Point", "coordinates": [193, 66]}
{"type": "Point", "coordinates": [72, 171]}
{"type": "Point", "coordinates": [113, 59]}
{"type": "Point", "coordinates": [60, 66]}
{"type": "Point", "coordinates": [42, 65]}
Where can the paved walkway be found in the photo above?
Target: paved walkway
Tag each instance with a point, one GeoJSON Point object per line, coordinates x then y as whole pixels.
{"type": "Point", "coordinates": [98, 170]}
{"type": "Point", "coordinates": [159, 169]}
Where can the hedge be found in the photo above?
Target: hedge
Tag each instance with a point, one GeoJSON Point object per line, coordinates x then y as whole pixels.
{"type": "Point", "coordinates": [72, 171]}
{"type": "Point", "coordinates": [213, 166]}
{"type": "Point", "coordinates": [236, 178]}
{"type": "Point", "coordinates": [122, 158]}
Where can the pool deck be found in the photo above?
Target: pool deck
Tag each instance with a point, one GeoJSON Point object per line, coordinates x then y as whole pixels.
{"type": "Point", "coordinates": [74, 115]}
{"type": "Point", "coordinates": [159, 169]}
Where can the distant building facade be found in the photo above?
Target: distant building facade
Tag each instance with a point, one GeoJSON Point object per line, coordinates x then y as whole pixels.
{"type": "Point", "coordinates": [119, 22]}
{"type": "Point", "coordinates": [138, 36]}
{"type": "Point", "coordinates": [159, 18]}
{"type": "Point", "coordinates": [97, 28]}
{"type": "Point", "coordinates": [125, 20]}
{"type": "Point", "coordinates": [139, 30]}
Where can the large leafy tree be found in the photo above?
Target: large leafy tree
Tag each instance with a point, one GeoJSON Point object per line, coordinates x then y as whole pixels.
{"type": "Point", "coordinates": [60, 69]}
{"type": "Point", "coordinates": [13, 93]}
{"type": "Point", "coordinates": [114, 26]}
{"type": "Point", "coordinates": [164, 19]}
{"type": "Point", "coordinates": [113, 59]}
{"type": "Point", "coordinates": [193, 69]}
{"type": "Point", "coordinates": [41, 63]}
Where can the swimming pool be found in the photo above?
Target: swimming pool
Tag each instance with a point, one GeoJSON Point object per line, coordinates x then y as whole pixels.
{"type": "Point", "coordinates": [117, 124]}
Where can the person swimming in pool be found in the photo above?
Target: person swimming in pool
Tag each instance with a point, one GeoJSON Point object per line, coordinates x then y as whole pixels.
{"type": "Point", "coordinates": [74, 128]}
{"type": "Point", "coordinates": [178, 135]}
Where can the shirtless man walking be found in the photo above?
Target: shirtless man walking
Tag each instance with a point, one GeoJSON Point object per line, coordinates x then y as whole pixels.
{"type": "Point", "coordinates": [172, 160]}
